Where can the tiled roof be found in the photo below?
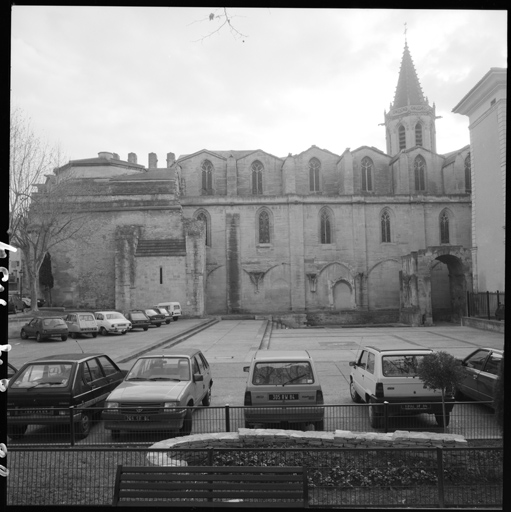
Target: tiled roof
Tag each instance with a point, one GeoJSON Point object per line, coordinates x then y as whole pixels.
{"type": "Point", "coordinates": [408, 90]}
{"type": "Point", "coordinates": [166, 247]}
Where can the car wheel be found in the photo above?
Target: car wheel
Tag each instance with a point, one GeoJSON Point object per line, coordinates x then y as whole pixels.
{"type": "Point", "coordinates": [440, 419]}
{"type": "Point", "coordinates": [73, 335]}
{"type": "Point", "coordinates": [207, 398]}
{"type": "Point", "coordinates": [124, 332]}
{"type": "Point", "coordinates": [16, 431]}
{"type": "Point", "coordinates": [94, 334]}
{"type": "Point", "coordinates": [175, 318]}
{"type": "Point", "coordinates": [103, 331]}
{"type": "Point", "coordinates": [38, 337]}
{"type": "Point", "coordinates": [167, 321]}
{"type": "Point", "coordinates": [146, 328]}
{"type": "Point", "coordinates": [186, 429]}
{"type": "Point", "coordinates": [353, 392]}
{"type": "Point", "coordinates": [63, 337]}
{"type": "Point", "coordinates": [374, 415]}
{"type": "Point", "coordinates": [83, 427]}
{"type": "Point", "coordinates": [115, 434]}
{"type": "Point", "coordinates": [23, 334]}
{"type": "Point", "coordinates": [158, 325]}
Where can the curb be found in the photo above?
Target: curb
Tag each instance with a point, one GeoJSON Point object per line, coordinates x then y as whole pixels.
{"type": "Point", "coordinates": [174, 340]}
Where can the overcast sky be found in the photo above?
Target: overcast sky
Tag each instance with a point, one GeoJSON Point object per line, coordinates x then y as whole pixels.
{"type": "Point", "coordinates": [140, 79]}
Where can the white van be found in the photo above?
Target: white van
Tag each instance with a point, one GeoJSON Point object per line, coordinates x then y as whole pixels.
{"type": "Point", "coordinates": [174, 308]}
{"type": "Point", "coordinates": [81, 323]}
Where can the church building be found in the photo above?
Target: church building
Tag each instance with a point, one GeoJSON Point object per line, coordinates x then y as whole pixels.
{"type": "Point", "coordinates": [364, 236]}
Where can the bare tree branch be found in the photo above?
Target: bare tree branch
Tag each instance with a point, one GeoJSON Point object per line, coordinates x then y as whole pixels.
{"type": "Point", "coordinates": [43, 207]}
{"type": "Point", "coordinates": [225, 20]}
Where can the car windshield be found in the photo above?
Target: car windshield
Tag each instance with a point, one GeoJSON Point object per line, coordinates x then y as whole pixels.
{"type": "Point", "coordinates": [88, 318]}
{"type": "Point", "coordinates": [160, 368]}
{"type": "Point", "coordinates": [53, 322]}
{"type": "Point", "coordinates": [401, 365]}
{"type": "Point", "coordinates": [138, 316]}
{"type": "Point", "coordinates": [283, 373]}
{"type": "Point", "coordinates": [43, 375]}
{"type": "Point", "coordinates": [151, 312]}
{"type": "Point", "coordinates": [114, 316]}
{"type": "Point", "coordinates": [163, 311]}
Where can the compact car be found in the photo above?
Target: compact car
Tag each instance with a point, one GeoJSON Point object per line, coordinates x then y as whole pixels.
{"type": "Point", "coordinates": [156, 318]}
{"type": "Point", "coordinates": [138, 319]}
{"type": "Point", "coordinates": [379, 376]}
{"type": "Point", "coordinates": [112, 322]}
{"type": "Point", "coordinates": [41, 391]}
{"type": "Point", "coordinates": [277, 382]}
{"type": "Point", "coordinates": [174, 308]}
{"type": "Point", "coordinates": [81, 323]}
{"type": "Point", "coordinates": [165, 313]}
{"type": "Point", "coordinates": [43, 328]}
{"type": "Point", "coordinates": [481, 368]}
{"type": "Point", "coordinates": [157, 391]}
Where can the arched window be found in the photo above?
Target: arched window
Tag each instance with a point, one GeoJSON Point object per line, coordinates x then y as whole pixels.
{"type": "Point", "coordinates": [419, 167]}
{"type": "Point", "coordinates": [203, 217]}
{"type": "Point", "coordinates": [264, 227]}
{"type": "Point", "coordinates": [314, 168]}
{"type": "Point", "coordinates": [402, 137]}
{"type": "Point", "coordinates": [418, 134]}
{"type": "Point", "coordinates": [207, 178]}
{"type": "Point", "coordinates": [468, 175]}
{"type": "Point", "coordinates": [385, 227]}
{"type": "Point", "coordinates": [325, 227]}
{"type": "Point", "coordinates": [367, 174]}
{"type": "Point", "coordinates": [444, 228]}
{"type": "Point", "coordinates": [257, 177]}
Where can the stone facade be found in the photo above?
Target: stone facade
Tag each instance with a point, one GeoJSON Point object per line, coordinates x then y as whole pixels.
{"type": "Point", "coordinates": [317, 235]}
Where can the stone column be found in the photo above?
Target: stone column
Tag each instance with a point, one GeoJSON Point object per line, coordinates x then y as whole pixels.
{"type": "Point", "coordinates": [233, 261]}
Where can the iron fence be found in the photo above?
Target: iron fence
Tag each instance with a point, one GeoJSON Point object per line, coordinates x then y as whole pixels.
{"type": "Point", "coordinates": [473, 420]}
{"type": "Point", "coordinates": [336, 477]}
{"type": "Point", "coordinates": [484, 304]}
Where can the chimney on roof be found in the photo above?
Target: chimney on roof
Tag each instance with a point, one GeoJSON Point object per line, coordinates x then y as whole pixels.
{"type": "Point", "coordinates": [116, 156]}
{"type": "Point", "coordinates": [153, 161]}
{"type": "Point", "coordinates": [132, 158]}
{"type": "Point", "coordinates": [106, 154]}
{"type": "Point", "coordinates": [171, 158]}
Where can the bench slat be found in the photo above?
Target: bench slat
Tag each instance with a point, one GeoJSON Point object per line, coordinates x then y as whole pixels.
{"type": "Point", "coordinates": [216, 494]}
{"type": "Point", "coordinates": [205, 469]}
{"type": "Point", "coordinates": [212, 477]}
{"type": "Point", "coordinates": [216, 485]}
{"type": "Point", "coordinates": [214, 504]}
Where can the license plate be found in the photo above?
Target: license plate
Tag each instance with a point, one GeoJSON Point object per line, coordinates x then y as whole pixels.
{"type": "Point", "coordinates": [137, 418]}
{"type": "Point", "coordinates": [283, 396]}
{"type": "Point", "coordinates": [415, 407]}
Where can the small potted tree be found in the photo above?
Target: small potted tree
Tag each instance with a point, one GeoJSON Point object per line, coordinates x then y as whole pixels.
{"type": "Point", "coordinates": [441, 371]}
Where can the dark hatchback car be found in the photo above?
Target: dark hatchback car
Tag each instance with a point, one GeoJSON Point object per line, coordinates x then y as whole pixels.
{"type": "Point", "coordinates": [155, 317]}
{"type": "Point", "coordinates": [42, 328]}
{"type": "Point", "coordinates": [138, 319]}
{"type": "Point", "coordinates": [481, 368]}
{"type": "Point", "coordinates": [42, 391]}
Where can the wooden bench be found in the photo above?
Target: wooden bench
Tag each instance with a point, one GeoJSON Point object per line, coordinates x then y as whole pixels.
{"type": "Point", "coordinates": [208, 486]}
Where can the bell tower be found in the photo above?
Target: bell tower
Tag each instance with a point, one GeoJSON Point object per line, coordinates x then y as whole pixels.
{"type": "Point", "coordinates": [410, 121]}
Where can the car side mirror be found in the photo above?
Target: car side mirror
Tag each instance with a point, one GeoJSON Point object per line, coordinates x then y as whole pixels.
{"type": "Point", "coordinates": [246, 368]}
{"type": "Point", "coordinates": [197, 377]}
{"type": "Point", "coordinates": [352, 363]}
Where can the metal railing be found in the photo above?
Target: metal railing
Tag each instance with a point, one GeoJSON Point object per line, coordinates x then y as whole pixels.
{"type": "Point", "coordinates": [484, 304]}
{"type": "Point", "coordinates": [473, 420]}
{"type": "Point", "coordinates": [336, 477]}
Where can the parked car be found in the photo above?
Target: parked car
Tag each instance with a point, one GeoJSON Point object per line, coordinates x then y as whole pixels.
{"type": "Point", "coordinates": [165, 312]}
{"type": "Point", "coordinates": [42, 391]}
{"type": "Point", "coordinates": [28, 302]}
{"type": "Point", "coordinates": [138, 319]}
{"type": "Point", "coordinates": [81, 323]}
{"type": "Point", "coordinates": [155, 317]}
{"type": "Point", "coordinates": [174, 308]}
{"type": "Point", "coordinates": [112, 322]}
{"type": "Point", "coordinates": [155, 390]}
{"type": "Point", "coordinates": [277, 379]}
{"type": "Point", "coordinates": [380, 375]}
{"type": "Point", "coordinates": [42, 328]}
{"type": "Point", "coordinates": [15, 304]}
{"type": "Point", "coordinates": [481, 368]}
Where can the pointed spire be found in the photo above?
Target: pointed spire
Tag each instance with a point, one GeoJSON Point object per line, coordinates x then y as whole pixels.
{"type": "Point", "coordinates": [408, 90]}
